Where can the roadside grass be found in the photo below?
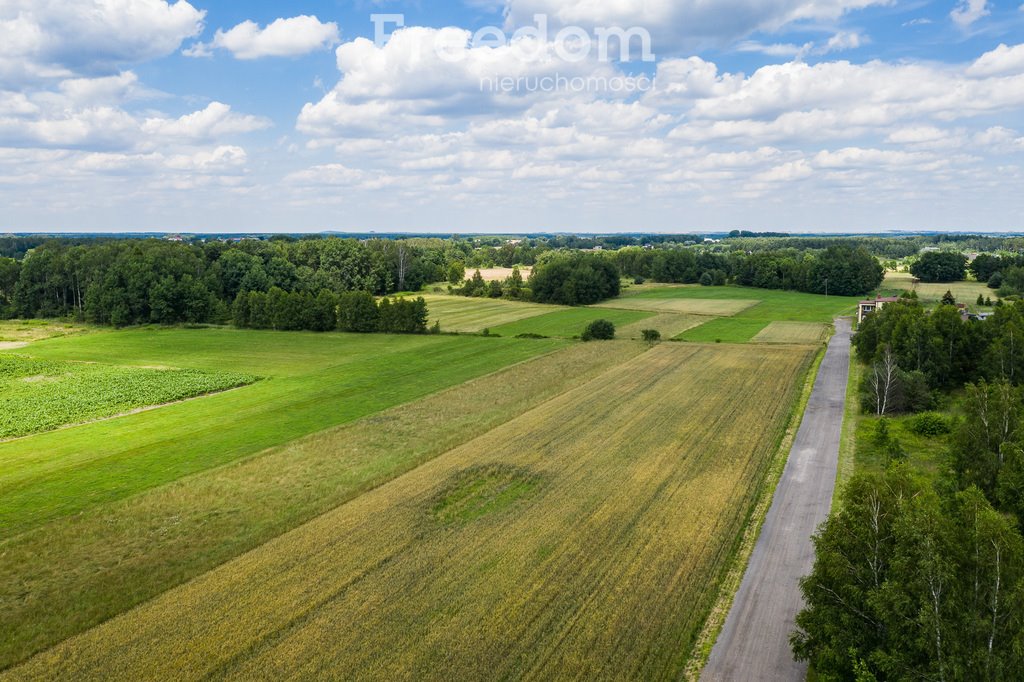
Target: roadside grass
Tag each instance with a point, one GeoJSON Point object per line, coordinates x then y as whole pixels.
{"type": "Point", "coordinates": [73, 573]}
{"type": "Point", "coordinates": [570, 322]}
{"type": "Point", "coordinates": [792, 332]}
{"type": "Point", "coordinates": [848, 438]}
{"type": "Point", "coordinates": [473, 315]}
{"type": "Point", "coordinates": [312, 382]}
{"type": "Point", "coordinates": [605, 567]}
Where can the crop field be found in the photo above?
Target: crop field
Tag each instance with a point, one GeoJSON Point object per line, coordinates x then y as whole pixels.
{"type": "Point", "coordinates": [65, 576]}
{"type": "Point", "coordinates": [669, 324]}
{"type": "Point", "coordinates": [792, 332]}
{"type": "Point", "coordinates": [311, 382]}
{"type": "Point", "coordinates": [570, 322]}
{"type": "Point", "coordinates": [462, 314]}
{"type": "Point", "coordinates": [692, 306]}
{"type": "Point", "coordinates": [582, 536]}
{"type": "Point", "coordinates": [40, 395]}
{"type": "Point", "coordinates": [774, 306]}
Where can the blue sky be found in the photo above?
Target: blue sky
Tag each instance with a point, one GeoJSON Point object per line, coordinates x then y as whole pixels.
{"type": "Point", "coordinates": [797, 115]}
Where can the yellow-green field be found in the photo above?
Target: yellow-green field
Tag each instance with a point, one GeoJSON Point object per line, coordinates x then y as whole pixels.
{"type": "Point", "coordinates": [930, 292]}
{"type": "Point", "coordinates": [690, 306]}
{"type": "Point", "coordinates": [581, 536]}
{"type": "Point", "coordinates": [792, 332]}
{"type": "Point", "coordinates": [19, 333]}
{"type": "Point", "coordinates": [669, 324]}
{"type": "Point", "coordinates": [473, 315]}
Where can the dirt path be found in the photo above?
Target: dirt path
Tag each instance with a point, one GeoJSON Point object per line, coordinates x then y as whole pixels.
{"type": "Point", "coordinates": [754, 643]}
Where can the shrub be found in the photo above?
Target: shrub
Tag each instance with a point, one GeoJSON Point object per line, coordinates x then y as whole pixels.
{"type": "Point", "coordinates": [599, 330]}
{"type": "Point", "coordinates": [929, 424]}
{"type": "Point", "coordinates": [651, 336]}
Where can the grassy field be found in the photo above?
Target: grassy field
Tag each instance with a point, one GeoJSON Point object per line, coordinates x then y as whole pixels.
{"type": "Point", "coordinates": [964, 292]}
{"type": "Point", "coordinates": [72, 573]}
{"type": "Point", "coordinates": [583, 537]}
{"type": "Point", "coordinates": [19, 333]}
{"type": "Point", "coordinates": [792, 332]}
{"type": "Point", "coordinates": [570, 322]}
{"type": "Point", "coordinates": [312, 382]}
{"type": "Point", "coordinates": [461, 314]}
{"type": "Point", "coordinates": [684, 304]}
{"type": "Point", "coordinates": [669, 324]}
{"type": "Point", "coordinates": [774, 306]}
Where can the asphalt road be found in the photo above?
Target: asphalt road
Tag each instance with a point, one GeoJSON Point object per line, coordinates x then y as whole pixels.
{"type": "Point", "coordinates": [754, 643]}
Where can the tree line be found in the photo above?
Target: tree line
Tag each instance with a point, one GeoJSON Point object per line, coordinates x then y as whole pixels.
{"type": "Point", "coordinates": [918, 579]}
{"type": "Point", "coordinates": [123, 282]}
{"type": "Point", "coordinates": [355, 311]}
{"type": "Point", "coordinates": [137, 281]}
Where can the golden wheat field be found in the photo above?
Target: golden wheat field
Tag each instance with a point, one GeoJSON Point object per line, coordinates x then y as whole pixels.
{"type": "Point", "coordinates": [792, 332]}
{"type": "Point", "coordinates": [582, 539]}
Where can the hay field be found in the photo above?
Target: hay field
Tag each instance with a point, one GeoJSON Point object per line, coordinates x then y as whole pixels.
{"type": "Point", "coordinates": [472, 315]}
{"type": "Point", "coordinates": [792, 332]}
{"type": "Point", "coordinates": [932, 292]}
{"type": "Point", "coordinates": [499, 274]}
{"type": "Point", "coordinates": [570, 322]}
{"type": "Point", "coordinates": [582, 539]}
{"type": "Point", "coordinates": [669, 324]}
{"type": "Point", "coordinates": [692, 306]}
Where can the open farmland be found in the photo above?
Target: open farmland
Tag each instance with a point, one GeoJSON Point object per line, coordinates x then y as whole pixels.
{"type": "Point", "coordinates": [583, 537]}
{"type": "Point", "coordinates": [669, 324]}
{"type": "Point", "coordinates": [792, 332]}
{"type": "Point", "coordinates": [72, 573]}
{"type": "Point", "coordinates": [570, 322]}
{"type": "Point", "coordinates": [462, 314]}
{"type": "Point", "coordinates": [312, 382]}
{"type": "Point", "coordinates": [774, 306]}
{"type": "Point", "coordinates": [722, 307]}
{"type": "Point", "coordinates": [40, 395]}
{"type": "Point", "coordinates": [932, 292]}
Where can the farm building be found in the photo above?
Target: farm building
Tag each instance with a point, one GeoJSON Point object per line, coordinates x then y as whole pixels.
{"type": "Point", "coordinates": [865, 308]}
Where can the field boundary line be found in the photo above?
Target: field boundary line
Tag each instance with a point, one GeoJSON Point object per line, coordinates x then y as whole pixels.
{"type": "Point", "coordinates": [729, 585]}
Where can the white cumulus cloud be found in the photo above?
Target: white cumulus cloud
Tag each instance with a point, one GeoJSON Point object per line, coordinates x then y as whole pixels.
{"type": "Point", "coordinates": [44, 38]}
{"type": "Point", "coordinates": [282, 38]}
{"type": "Point", "coordinates": [968, 12]}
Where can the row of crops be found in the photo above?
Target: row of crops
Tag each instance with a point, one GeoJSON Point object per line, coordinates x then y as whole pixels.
{"type": "Point", "coordinates": [41, 395]}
